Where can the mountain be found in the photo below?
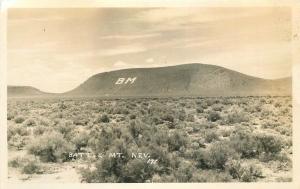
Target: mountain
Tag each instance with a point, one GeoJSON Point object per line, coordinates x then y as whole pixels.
{"type": "Point", "coordinates": [24, 91]}
{"type": "Point", "coordinates": [181, 80]}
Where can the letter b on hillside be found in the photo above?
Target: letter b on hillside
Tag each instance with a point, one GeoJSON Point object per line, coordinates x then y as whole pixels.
{"type": "Point", "coordinates": [128, 80]}
{"type": "Point", "coordinates": [120, 81]}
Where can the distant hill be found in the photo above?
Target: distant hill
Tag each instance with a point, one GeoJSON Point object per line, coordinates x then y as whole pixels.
{"type": "Point", "coordinates": [181, 80]}
{"type": "Point", "coordinates": [24, 91]}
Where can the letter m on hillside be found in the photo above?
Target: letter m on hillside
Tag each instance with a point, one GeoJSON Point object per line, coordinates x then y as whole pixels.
{"type": "Point", "coordinates": [128, 80]}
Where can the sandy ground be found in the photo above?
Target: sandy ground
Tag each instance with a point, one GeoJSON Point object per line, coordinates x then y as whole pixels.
{"type": "Point", "coordinates": [65, 174]}
{"type": "Point", "coordinates": [55, 173]}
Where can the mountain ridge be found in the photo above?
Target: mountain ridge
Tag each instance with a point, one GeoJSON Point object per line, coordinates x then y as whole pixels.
{"type": "Point", "coordinates": [180, 80]}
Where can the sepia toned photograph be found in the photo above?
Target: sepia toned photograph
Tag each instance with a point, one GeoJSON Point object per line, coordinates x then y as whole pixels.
{"type": "Point", "coordinates": [149, 95]}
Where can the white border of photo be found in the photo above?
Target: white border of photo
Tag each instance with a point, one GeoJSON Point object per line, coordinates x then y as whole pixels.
{"type": "Point", "coordinates": [294, 4]}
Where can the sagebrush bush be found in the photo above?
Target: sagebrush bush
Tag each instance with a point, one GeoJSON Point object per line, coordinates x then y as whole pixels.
{"type": "Point", "coordinates": [176, 140]}
{"type": "Point", "coordinates": [267, 109]}
{"type": "Point", "coordinates": [16, 129]}
{"type": "Point", "coordinates": [213, 116]}
{"type": "Point", "coordinates": [17, 141]}
{"type": "Point", "coordinates": [273, 124]}
{"type": "Point", "coordinates": [120, 110]}
{"type": "Point", "coordinates": [103, 119]}
{"type": "Point", "coordinates": [100, 141]}
{"type": "Point", "coordinates": [181, 115]}
{"type": "Point", "coordinates": [80, 120]}
{"type": "Point", "coordinates": [235, 115]}
{"type": "Point", "coordinates": [44, 121]}
{"type": "Point", "coordinates": [184, 173]}
{"type": "Point", "coordinates": [211, 135]}
{"type": "Point", "coordinates": [51, 147]}
{"type": "Point", "coordinates": [165, 160]}
{"type": "Point", "coordinates": [199, 110]}
{"type": "Point", "coordinates": [19, 119]}
{"type": "Point", "coordinates": [27, 165]}
{"type": "Point", "coordinates": [189, 130]}
{"type": "Point", "coordinates": [211, 101]}
{"type": "Point", "coordinates": [16, 162]}
{"type": "Point", "coordinates": [251, 145]}
{"type": "Point", "coordinates": [135, 128]}
{"type": "Point", "coordinates": [80, 140]}
{"type": "Point", "coordinates": [268, 143]}
{"type": "Point", "coordinates": [29, 122]}
{"type": "Point", "coordinates": [132, 116]}
{"type": "Point", "coordinates": [269, 146]}
{"type": "Point", "coordinates": [39, 130]}
{"type": "Point", "coordinates": [138, 171]}
{"type": "Point", "coordinates": [161, 137]}
{"type": "Point", "coordinates": [218, 154]}
{"type": "Point", "coordinates": [215, 157]}
{"type": "Point", "coordinates": [244, 173]}
{"type": "Point", "coordinates": [168, 117]}
{"type": "Point", "coordinates": [11, 115]}
{"type": "Point", "coordinates": [225, 133]}
{"type": "Point", "coordinates": [32, 167]}
{"type": "Point", "coordinates": [244, 143]}
{"type": "Point", "coordinates": [65, 128]}
{"type": "Point", "coordinates": [217, 107]}
{"type": "Point", "coordinates": [190, 118]}
{"type": "Point", "coordinates": [284, 130]}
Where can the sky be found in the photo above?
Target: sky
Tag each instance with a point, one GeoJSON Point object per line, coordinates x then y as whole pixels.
{"type": "Point", "coordinates": [57, 49]}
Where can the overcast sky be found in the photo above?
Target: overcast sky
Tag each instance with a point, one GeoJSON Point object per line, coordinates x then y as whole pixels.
{"type": "Point", "coordinates": [57, 49]}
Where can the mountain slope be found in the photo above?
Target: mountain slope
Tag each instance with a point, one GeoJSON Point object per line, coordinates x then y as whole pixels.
{"type": "Point", "coordinates": [181, 80]}
{"type": "Point", "coordinates": [24, 91]}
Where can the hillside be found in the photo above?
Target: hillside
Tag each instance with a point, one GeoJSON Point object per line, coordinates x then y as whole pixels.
{"type": "Point", "coordinates": [24, 91]}
{"type": "Point", "coordinates": [181, 80]}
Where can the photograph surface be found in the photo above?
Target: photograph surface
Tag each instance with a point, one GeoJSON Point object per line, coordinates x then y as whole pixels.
{"type": "Point", "coordinates": [149, 95]}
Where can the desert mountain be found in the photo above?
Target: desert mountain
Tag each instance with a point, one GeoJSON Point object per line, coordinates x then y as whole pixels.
{"type": "Point", "coordinates": [24, 91]}
{"type": "Point", "coordinates": [180, 80]}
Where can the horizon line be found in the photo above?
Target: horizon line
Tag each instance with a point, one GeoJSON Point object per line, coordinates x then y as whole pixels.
{"type": "Point", "coordinates": [132, 68]}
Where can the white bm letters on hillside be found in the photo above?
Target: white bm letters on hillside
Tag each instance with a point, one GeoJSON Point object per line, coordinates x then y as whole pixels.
{"type": "Point", "coordinates": [128, 80]}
